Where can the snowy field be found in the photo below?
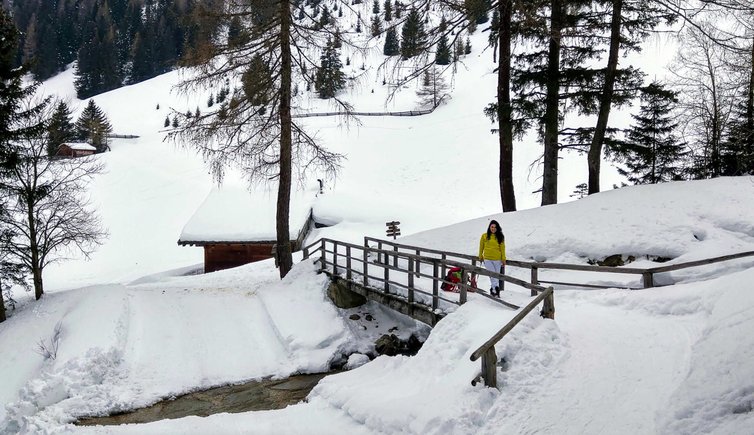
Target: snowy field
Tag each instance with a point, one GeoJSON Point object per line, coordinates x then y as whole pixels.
{"type": "Point", "coordinates": [671, 360]}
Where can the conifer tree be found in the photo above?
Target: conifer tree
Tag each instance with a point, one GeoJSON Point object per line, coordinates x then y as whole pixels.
{"type": "Point", "coordinates": [60, 128]}
{"type": "Point", "coordinates": [330, 78]}
{"type": "Point", "coordinates": [651, 152]}
{"type": "Point", "coordinates": [442, 51]}
{"type": "Point", "coordinates": [413, 35]}
{"type": "Point", "coordinates": [376, 7]}
{"type": "Point", "coordinates": [433, 89]}
{"type": "Point", "coordinates": [376, 27]}
{"type": "Point", "coordinates": [737, 151]}
{"type": "Point", "coordinates": [94, 127]}
{"type": "Point", "coordinates": [388, 7]}
{"type": "Point", "coordinates": [166, 124]}
{"type": "Point", "coordinates": [391, 47]}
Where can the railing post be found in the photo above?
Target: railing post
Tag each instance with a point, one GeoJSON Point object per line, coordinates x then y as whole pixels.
{"type": "Point", "coordinates": [648, 279]}
{"type": "Point", "coordinates": [534, 273]}
{"type": "Point", "coordinates": [444, 270]}
{"type": "Point", "coordinates": [306, 253]}
{"type": "Point", "coordinates": [548, 305]}
{"type": "Point", "coordinates": [502, 281]}
{"type": "Point", "coordinates": [348, 262]}
{"type": "Point", "coordinates": [387, 276]}
{"type": "Point", "coordinates": [395, 257]}
{"type": "Point", "coordinates": [473, 274]}
{"type": "Point", "coordinates": [418, 265]}
{"type": "Point", "coordinates": [410, 280]}
{"type": "Point", "coordinates": [335, 258]}
{"type": "Point", "coordinates": [462, 287]}
{"type": "Point", "coordinates": [489, 367]}
{"type": "Point", "coordinates": [435, 286]}
{"type": "Point", "coordinates": [323, 257]}
{"type": "Point", "coordinates": [366, 263]}
{"type": "Point", "coordinates": [379, 254]}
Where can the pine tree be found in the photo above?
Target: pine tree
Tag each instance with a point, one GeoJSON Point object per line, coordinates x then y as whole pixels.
{"type": "Point", "coordinates": [737, 151]}
{"type": "Point", "coordinates": [391, 47]}
{"type": "Point", "coordinates": [388, 7]}
{"type": "Point", "coordinates": [376, 7]}
{"type": "Point", "coordinates": [94, 127]}
{"type": "Point", "coordinates": [330, 78]}
{"type": "Point", "coordinates": [166, 124]}
{"type": "Point", "coordinates": [376, 27]}
{"type": "Point", "coordinates": [651, 152]}
{"type": "Point", "coordinates": [60, 128]}
{"type": "Point", "coordinates": [442, 52]}
{"type": "Point", "coordinates": [413, 36]}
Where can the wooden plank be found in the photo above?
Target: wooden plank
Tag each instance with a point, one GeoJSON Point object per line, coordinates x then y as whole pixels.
{"type": "Point", "coordinates": [575, 284]}
{"type": "Point", "coordinates": [365, 265]}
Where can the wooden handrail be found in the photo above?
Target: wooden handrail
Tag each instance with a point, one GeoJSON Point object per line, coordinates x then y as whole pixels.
{"type": "Point", "coordinates": [514, 321]}
{"type": "Point", "coordinates": [647, 273]}
{"type": "Point", "coordinates": [700, 262]}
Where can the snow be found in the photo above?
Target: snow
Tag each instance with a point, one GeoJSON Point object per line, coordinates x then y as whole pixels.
{"type": "Point", "coordinates": [252, 218]}
{"type": "Point", "coordinates": [79, 146]}
{"type": "Point", "coordinates": [138, 326]}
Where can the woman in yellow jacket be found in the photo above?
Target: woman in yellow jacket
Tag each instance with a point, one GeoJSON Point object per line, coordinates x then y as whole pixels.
{"type": "Point", "coordinates": [492, 253]}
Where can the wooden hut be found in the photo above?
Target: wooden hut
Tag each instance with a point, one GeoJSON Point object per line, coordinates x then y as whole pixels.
{"type": "Point", "coordinates": [236, 227]}
{"type": "Point", "coordinates": [75, 149]}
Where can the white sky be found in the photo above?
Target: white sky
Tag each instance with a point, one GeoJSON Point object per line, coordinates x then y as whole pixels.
{"type": "Point", "coordinates": [675, 359]}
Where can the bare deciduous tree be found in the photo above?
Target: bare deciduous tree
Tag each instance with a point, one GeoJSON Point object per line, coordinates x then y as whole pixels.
{"type": "Point", "coordinates": [255, 130]}
{"type": "Point", "coordinates": [47, 211]}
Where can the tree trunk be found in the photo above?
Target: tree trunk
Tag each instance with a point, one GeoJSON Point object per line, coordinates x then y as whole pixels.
{"type": "Point", "coordinates": [594, 158]}
{"type": "Point", "coordinates": [550, 163]}
{"type": "Point", "coordinates": [2, 304]}
{"type": "Point", "coordinates": [748, 164]}
{"type": "Point", "coordinates": [507, 194]}
{"type": "Point", "coordinates": [285, 259]}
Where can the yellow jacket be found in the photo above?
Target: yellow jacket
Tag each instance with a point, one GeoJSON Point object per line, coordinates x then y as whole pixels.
{"type": "Point", "coordinates": [490, 249]}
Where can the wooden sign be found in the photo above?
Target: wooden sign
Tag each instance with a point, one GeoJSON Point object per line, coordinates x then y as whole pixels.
{"type": "Point", "coordinates": [392, 229]}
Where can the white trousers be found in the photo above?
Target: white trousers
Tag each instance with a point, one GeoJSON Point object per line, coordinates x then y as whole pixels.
{"type": "Point", "coordinates": [493, 266]}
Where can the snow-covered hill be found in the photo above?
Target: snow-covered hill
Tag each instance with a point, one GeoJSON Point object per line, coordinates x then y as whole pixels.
{"type": "Point", "coordinates": [670, 360]}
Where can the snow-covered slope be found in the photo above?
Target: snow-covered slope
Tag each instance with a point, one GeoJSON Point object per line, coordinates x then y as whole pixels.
{"type": "Point", "coordinates": [668, 360]}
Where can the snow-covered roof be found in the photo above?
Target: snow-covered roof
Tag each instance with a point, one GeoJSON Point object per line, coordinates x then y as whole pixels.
{"type": "Point", "coordinates": [234, 214]}
{"type": "Point", "coordinates": [80, 146]}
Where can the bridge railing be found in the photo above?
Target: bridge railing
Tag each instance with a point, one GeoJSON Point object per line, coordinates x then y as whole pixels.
{"type": "Point", "coordinates": [647, 274]}
{"type": "Point", "coordinates": [356, 263]}
{"type": "Point", "coordinates": [360, 263]}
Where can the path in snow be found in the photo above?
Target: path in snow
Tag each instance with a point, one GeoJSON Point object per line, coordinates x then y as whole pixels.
{"type": "Point", "coordinates": [621, 368]}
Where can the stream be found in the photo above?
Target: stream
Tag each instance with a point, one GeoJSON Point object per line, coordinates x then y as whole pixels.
{"type": "Point", "coordinates": [251, 396]}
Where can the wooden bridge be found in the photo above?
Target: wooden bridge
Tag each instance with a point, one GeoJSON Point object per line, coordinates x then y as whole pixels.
{"type": "Point", "coordinates": [408, 279]}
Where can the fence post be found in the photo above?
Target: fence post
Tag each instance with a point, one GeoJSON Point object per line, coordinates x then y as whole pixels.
{"type": "Point", "coordinates": [473, 274]}
{"type": "Point", "coordinates": [435, 286]}
{"type": "Point", "coordinates": [335, 258]}
{"type": "Point", "coordinates": [534, 273]}
{"type": "Point", "coordinates": [395, 257]}
{"type": "Point", "coordinates": [323, 257]}
{"type": "Point", "coordinates": [348, 262]}
{"type": "Point", "coordinates": [410, 280]}
{"type": "Point", "coordinates": [462, 286]}
{"type": "Point", "coordinates": [548, 305]}
{"type": "Point", "coordinates": [379, 254]}
{"type": "Point", "coordinates": [444, 270]}
{"type": "Point", "coordinates": [489, 367]}
{"type": "Point", "coordinates": [648, 279]}
{"type": "Point", "coordinates": [418, 265]}
{"type": "Point", "coordinates": [306, 253]}
{"type": "Point", "coordinates": [502, 281]}
{"type": "Point", "coordinates": [366, 263]}
{"type": "Point", "coordinates": [387, 276]}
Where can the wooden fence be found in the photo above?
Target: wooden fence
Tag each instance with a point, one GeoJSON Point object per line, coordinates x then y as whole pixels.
{"type": "Point", "coordinates": [647, 274]}
{"type": "Point", "coordinates": [399, 273]}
